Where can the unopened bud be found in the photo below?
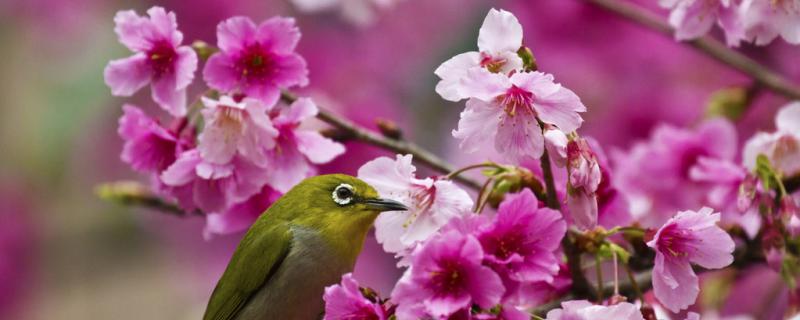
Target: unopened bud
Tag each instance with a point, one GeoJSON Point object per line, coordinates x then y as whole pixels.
{"type": "Point", "coordinates": [203, 49]}
{"type": "Point", "coordinates": [389, 129]}
{"type": "Point", "coordinates": [528, 60]}
{"type": "Point", "coordinates": [729, 103]}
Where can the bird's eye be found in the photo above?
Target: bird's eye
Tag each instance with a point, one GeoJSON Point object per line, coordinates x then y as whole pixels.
{"type": "Point", "coordinates": [343, 194]}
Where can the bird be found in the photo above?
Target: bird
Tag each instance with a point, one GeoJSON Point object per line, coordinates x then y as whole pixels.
{"type": "Point", "coordinates": [304, 242]}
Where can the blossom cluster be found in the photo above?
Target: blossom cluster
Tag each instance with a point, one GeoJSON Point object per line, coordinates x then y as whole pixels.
{"type": "Point", "coordinates": [756, 21]}
{"type": "Point", "coordinates": [683, 201]}
{"type": "Point", "coordinates": [235, 149]}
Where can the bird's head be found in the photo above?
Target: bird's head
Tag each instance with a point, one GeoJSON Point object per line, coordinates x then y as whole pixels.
{"type": "Point", "coordinates": [336, 200]}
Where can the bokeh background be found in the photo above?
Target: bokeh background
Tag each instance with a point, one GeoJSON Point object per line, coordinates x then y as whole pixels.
{"type": "Point", "coordinates": [65, 254]}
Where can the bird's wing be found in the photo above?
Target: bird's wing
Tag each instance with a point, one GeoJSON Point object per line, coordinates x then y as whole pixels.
{"type": "Point", "coordinates": [256, 259]}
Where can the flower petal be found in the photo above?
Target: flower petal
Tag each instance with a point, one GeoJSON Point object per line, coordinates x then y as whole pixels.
{"type": "Point", "coordinates": [128, 75]}
{"type": "Point", "coordinates": [318, 149]}
{"type": "Point", "coordinates": [220, 73]}
{"type": "Point", "coordinates": [166, 94]}
{"type": "Point", "coordinates": [500, 32]}
{"type": "Point", "coordinates": [235, 33]}
{"type": "Point", "coordinates": [280, 34]}
{"type": "Point", "coordinates": [452, 71]}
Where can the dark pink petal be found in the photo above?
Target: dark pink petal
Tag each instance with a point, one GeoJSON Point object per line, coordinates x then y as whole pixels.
{"type": "Point", "coordinates": [128, 75]}
{"type": "Point", "coordinates": [235, 33]}
{"type": "Point", "coordinates": [267, 93]}
{"type": "Point", "coordinates": [288, 166]}
{"type": "Point", "coordinates": [209, 195]}
{"type": "Point", "coordinates": [220, 73]}
{"type": "Point", "coordinates": [166, 94]}
{"type": "Point", "coordinates": [185, 66]}
{"type": "Point", "coordinates": [165, 25]}
{"type": "Point", "coordinates": [183, 170]}
{"type": "Point", "coordinates": [279, 34]}
{"type": "Point", "coordinates": [128, 26]}
{"type": "Point", "coordinates": [298, 111]}
{"type": "Point", "coordinates": [240, 216]}
{"type": "Point", "coordinates": [290, 70]}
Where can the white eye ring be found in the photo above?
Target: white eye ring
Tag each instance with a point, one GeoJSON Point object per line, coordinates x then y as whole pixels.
{"type": "Point", "coordinates": [342, 199]}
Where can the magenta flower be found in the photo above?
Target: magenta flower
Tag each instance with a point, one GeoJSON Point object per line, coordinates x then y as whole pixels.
{"type": "Point", "coordinates": [585, 310]}
{"type": "Point", "coordinates": [655, 176]}
{"type": "Point", "coordinates": [433, 203]}
{"type": "Point", "coordinates": [149, 147]}
{"type": "Point", "coordinates": [521, 241]}
{"type": "Point", "coordinates": [240, 216]}
{"type": "Point", "coordinates": [196, 183]}
{"type": "Point", "coordinates": [233, 128]}
{"type": "Point", "coordinates": [765, 20]}
{"type": "Point", "coordinates": [782, 147]}
{"type": "Point", "coordinates": [689, 237]}
{"type": "Point", "coordinates": [584, 180]}
{"type": "Point", "coordinates": [259, 60]}
{"type": "Point", "coordinates": [694, 18]}
{"type": "Point", "coordinates": [499, 39]}
{"type": "Point", "coordinates": [296, 148]}
{"type": "Point", "coordinates": [159, 59]}
{"type": "Point", "coordinates": [345, 301]}
{"type": "Point", "coordinates": [446, 275]}
{"type": "Point", "coordinates": [503, 112]}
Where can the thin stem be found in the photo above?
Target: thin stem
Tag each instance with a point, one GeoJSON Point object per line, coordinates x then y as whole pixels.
{"type": "Point", "coordinates": [707, 45]}
{"type": "Point", "coordinates": [131, 193]}
{"type": "Point", "coordinates": [634, 284]}
{"type": "Point", "coordinates": [616, 272]}
{"type": "Point", "coordinates": [457, 172]}
{"type": "Point", "coordinates": [598, 267]}
{"type": "Point", "coordinates": [359, 133]}
{"type": "Point", "coordinates": [550, 185]}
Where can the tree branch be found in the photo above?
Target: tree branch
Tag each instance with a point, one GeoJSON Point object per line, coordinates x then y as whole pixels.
{"type": "Point", "coordinates": [706, 45]}
{"type": "Point", "coordinates": [132, 193]}
{"type": "Point", "coordinates": [399, 146]}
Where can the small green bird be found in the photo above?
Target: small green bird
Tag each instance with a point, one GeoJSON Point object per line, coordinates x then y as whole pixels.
{"type": "Point", "coordinates": [304, 242]}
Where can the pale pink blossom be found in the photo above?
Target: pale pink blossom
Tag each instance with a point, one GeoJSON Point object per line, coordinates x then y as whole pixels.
{"type": "Point", "coordinates": [432, 203]}
{"type": "Point", "coordinates": [297, 149]}
{"type": "Point", "coordinates": [159, 59]}
{"type": "Point", "coordinates": [765, 20]}
{"type": "Point", "coordinates": [555, 141]}
{"type": "Point", "coordinates": [258, 60]}
{"type": "Point", "coordinates": [210, 187]}
{"type": "Point", "coordinates": [694, 18]}
{"type": "Point", "coordinates": [499, 39]}
{"type": "Point", "coordinates": [232, 128]}
{"type": "Point", "coordinates": [504, 113]}
{"type": "Point", "coordinates": [689, 237]}
{"type": "Point", "coordinates": [585, 310]}
{"type": "Point", "coordinates": [446, 276]}
{"type": "Point", "coordinates": [584, 179]}
{"type": "Point", "coordinates": [781, 147]}
{"type": "Point", "coordinates": [148, 147]}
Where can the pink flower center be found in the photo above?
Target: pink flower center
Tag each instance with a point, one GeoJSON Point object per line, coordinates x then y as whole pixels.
{"type": "Point", "coordinates": [162, 58]}
{"type": "Point", "coordinates": [450, 279]}
{"type": "Point", "coordinates": [230, 120]}
{"type": "Point", "coordinates": [256, 63]}
{"type": "Point", "coordinates": [672, 241]}
{"type": "Point", "coordinates": [494, 65]}
{"type": "Point", "coordinates": [423, 196]}
{"type": "Point", "coordinates": [517, 101]}
{"type": "Point", "coordinates": [504, 245]}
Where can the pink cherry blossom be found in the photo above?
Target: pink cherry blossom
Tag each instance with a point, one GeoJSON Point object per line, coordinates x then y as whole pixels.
{"type": "Point", "coordinates": [689, 237]}
{"type": "Point", "coordinates": [258, 60]}
{"type": "Point", "coordinates": [196, 183]}
{"type": "Point", "coordinates": [655, 176]}
{"type": "Point", "coordinates": [345, 301]}
{"type": "Point", "coordinates": [296, 148]}
{"type": "Point", "coordinates": [585, 310]}
{"type": "Point", "coordinates": [159, 59]}
{"type": "Point", "coordinates": [433, 203]}
{"type": "Point", "coordinates": [694, 18]}
{"type": "Point", "coordinates": [520, 243]}
{"type": "Point", "coordinates": [240, 216]}
{"type": "Point", "coordinates": [555, 141]}
{"type": "Point", "coordinates": [149, 147]}
{"type": "Point", "coordinates": [584, 180]}
{"type": "Point", "coordinates": [781, 147]}
{"type": "Point", "coordinates": [499, 39]}
{"type": "Point", "coordinates": [504, 113]}
{"type": "Point", "coordinates": [233, 128]}
{"type": "Point", "coordinates": [446, 276]}
{"type": "Point", "coordinates": [764, 20]}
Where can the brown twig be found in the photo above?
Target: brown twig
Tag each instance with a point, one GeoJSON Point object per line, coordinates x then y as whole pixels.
{"type": "Point", "coordinates": [707, 45]}
{"type": "Point", "coordinates": [399, 146]}
{"type": "Point", "coordinates": [132, 193]}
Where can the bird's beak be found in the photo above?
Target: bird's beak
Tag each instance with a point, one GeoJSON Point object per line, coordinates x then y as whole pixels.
{"type": "Point", "coordinates": [385, 205]}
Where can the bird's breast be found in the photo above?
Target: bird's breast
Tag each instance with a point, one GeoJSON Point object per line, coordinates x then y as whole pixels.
{"type": "Point", "coordinates": [296, 289]}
